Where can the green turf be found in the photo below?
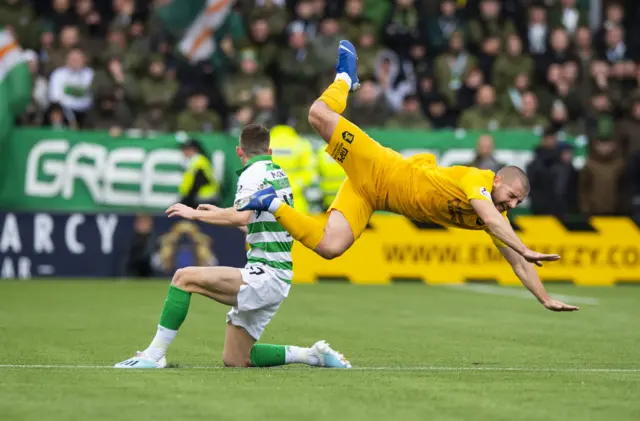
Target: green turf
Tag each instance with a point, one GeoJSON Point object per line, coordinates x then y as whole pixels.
{"type": "Point", "coordinates": [445, 354]}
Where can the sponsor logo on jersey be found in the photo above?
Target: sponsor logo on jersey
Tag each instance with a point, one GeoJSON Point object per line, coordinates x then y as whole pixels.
{"type": "Point", "coordinates": [348, 137]}
{"type": "Point", "coordinates": [485, 193]}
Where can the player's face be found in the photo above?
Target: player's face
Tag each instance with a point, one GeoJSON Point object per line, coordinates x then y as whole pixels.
{"type": "Point", "coordinates": [507, 196]}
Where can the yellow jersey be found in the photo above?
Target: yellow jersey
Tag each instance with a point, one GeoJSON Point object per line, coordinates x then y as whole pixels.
{"type": "Point", "coordinates": [422, 191]}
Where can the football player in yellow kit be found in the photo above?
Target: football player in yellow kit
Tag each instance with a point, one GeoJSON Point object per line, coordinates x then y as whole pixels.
{"type": "Point", "coordinates": [379, 178]}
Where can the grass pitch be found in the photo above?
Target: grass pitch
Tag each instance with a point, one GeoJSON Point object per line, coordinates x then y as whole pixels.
{"type": "Point", "coordinates": [419, 352]}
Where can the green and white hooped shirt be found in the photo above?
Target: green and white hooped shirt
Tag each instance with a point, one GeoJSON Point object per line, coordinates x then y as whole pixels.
{"type": "Point", "coordinates": [270, 244]}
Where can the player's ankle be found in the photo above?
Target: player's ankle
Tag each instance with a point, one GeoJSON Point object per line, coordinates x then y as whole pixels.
{"type": "Point", "coordinates": [274, 205]}
{"type": "Point", "coordinates": [344, 76]}
{"type": "Point", "coordinates": [299, 355]}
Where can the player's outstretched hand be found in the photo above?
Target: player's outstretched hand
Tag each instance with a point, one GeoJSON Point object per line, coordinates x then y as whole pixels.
{"type": "Point", "coordinates": [206, 207]}
{"type": "Point", "coordinates": [555, 305]}
{"type": "Point", "coordinates": [536, 258]}
{"type": "Point", "coordinates": [180, 210]}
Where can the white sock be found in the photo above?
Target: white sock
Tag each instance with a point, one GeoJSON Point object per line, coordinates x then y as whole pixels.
{"type": "Point", "coordinates": [160, 343]}
{"type": "Point", "coordinates": [275, 204]}
{"type": "Point", "coordinates": [345, 77]}
{"type": "Point", "coordinates": [297, 355]}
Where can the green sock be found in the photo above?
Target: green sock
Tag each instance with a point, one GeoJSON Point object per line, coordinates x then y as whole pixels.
{"type": "Point", "coordinates": [264, 355]}
{"type": "Point", "coordinates": [175, 309]}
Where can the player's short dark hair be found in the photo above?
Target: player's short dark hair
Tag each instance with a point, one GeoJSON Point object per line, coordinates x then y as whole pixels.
{"type": "Point", "coordinates": [254, 140]}
{"type": "Point", "coordinates": [511, 173]}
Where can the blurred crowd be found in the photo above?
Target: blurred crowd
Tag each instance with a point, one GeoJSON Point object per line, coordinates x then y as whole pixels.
{"type": "Point", "coordinates": [480, 65]}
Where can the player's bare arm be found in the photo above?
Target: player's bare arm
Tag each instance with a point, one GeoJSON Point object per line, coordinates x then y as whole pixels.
{"type": "Point", "coordinates": [528, 275]}
{"type": "Point", "coordinates": [502, 230]}
{"type": "Point", "coordinates": [210, 214]}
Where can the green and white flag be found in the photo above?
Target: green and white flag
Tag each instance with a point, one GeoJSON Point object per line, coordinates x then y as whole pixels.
{"type": "Point", "coordinates": [15, 82]}
{"type": "Point", "coordinates": [197, 21]}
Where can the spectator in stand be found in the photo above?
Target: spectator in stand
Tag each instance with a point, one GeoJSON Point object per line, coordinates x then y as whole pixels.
{"type": "Point", "coordinates": [559, 53]}
{"type": "Point", "coordinates": [451, 67]}
{"type": "Point", "coordinates": [239, 88]}
{"type": "Point", "coordinates": [159, 87]}
{"type": "Point", "coordinates": [537, 30]}
{"type": "Point", "coordinates": [527, 117]}
{"type": "Point", "coordinates": [197, 118]}
{"type": "Point", "coordinates": [560, 87]}
{"type": "Point", "coordinates": [466, 96]}
{"type": "Point", "coordinates": [68, 40]}
{"type": "Point", "coordinates": [418, 61]}
{"type": "Point", "coordinates": [599, 117]}
{"type": "Point", "coordinates": [485, 115]}
{"type": "Point", "coordinates": [109, 114]}
{"type": "Point", "coordinates": [271, 12]}
{"type": "Point", "coordinates": [568, 178]}
{"type": "Point", "coordinates": [61, 15]}
{"type": "Point", "coordinates": [627, 135]}
{"type": "Point", "coordinates": [326, 41]}
{"type": "Point", "coordinates": [618, 56]}
{"type": "Point", "coordinates": [299, 69]}
{"type": "Point", "coordinates": [113, 78]}
{"type": "Point", "coordinates": [602, 180]}
{"type": "Point", "coordinates": [569, 16]}
{"type": "Point", "coordinates": [410, 116]}
{"type": "Point", "coordinates": [35, 113]}
{"type": "Point", "coordinates": [306, 13]}
{"type": "Point", "coordinates": [388, 74]}
{"type": "Point", "coordinates": [432, 103]}
{"type": "Point", "coordinates": [89, 19]}
{"type": "Point", "coordinates": [264, 109]}
{"type": "Point", "coordinates": [19, 16]}
{"type": "Point", "coordinates": [485, 160]}
{"type": "Point", "coordinates": [365, 108]}
{"type": "Point", "coordinates": [613, 17]}
{"type": "Point", "coordinates": [56, 119]}
{"type": "Point", "coordinates": [441, 28]}
{"type": "Point", "coordinates": [542, 175]}
{"type": "Point", "coordinates": [124, 12]}
{"type": "Point", "coordinates": [585, 53]}
{"type": "Point", "coordinates": [490, 25]}
{"type": "Point", "coordinates": [601, 81]}
{"type": "Point", "coordinates": [368, 51]}
{"type": "Point", "coordinates": [265, 46]}
{"type": "Point", "coordinates": [511, 64]}
{"type": "Point", "coordinates": [510, 102]}
{"type": "Point", "coordinates": [154, 118]}
{"type": "Point", "coordinates": [403, 27]}
{"type": "Point", "coordinates": [70, 87]}
{"type": "Point", "coordinates": [353, 20]}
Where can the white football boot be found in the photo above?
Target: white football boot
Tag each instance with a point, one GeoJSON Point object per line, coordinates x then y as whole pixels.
{"type": "Point", "coordinates": [142, 360]}
{"type": "Point", "coordinates": [328, 357]}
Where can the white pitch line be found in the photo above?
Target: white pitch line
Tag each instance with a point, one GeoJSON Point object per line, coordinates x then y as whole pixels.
{"type": "Point", "coordinates": [513, 292]}
{"type": "Point", "coordinates": [399, 368]}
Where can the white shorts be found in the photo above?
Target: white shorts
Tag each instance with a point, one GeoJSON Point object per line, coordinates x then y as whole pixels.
{"type": "Point", "coordinates": [258, 300]}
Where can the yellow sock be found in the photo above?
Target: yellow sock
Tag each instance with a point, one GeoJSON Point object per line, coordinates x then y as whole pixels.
{"type": "Point", "coordinates": [301, 227]}
{"type": "Point", "coordinates": [335, 96]}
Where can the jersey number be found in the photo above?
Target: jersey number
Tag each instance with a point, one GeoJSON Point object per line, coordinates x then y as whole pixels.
{"type": "Point", "coordinates": [256, 270]}
{"type": "Point", "coordinates": [288, 199]}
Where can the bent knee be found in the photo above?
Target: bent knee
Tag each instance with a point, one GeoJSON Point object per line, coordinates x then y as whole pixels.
{"type": "Point", "coordinates": [185, 277]}
{"type": "Point", "coordinates": [318, 113]}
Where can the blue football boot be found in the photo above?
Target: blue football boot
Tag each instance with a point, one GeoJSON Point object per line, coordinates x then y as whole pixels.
{"type": "Point", "coordinates": [259, 201]}
{"type": "Point", "coordinates": [347, 63]}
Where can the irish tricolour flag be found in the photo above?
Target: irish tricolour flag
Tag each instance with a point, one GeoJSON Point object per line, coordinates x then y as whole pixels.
{"type": "Point", "coordinates": [196, 21]}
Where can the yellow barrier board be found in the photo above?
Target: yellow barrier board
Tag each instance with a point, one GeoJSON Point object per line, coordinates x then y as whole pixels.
{"type": "Point", "coordinates": [395, 248]}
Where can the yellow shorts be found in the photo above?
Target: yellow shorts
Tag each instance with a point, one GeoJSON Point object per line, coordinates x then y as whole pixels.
{"type": "Point", "coordinates": [369, 166]}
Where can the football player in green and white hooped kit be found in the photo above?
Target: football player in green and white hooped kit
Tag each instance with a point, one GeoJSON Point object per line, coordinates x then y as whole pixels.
{"type": "Point", "coordinates": [256, 291]}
